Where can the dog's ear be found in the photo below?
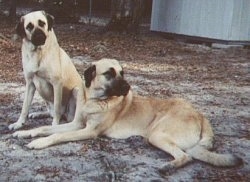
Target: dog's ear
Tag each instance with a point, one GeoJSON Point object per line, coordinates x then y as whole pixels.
{"type": "Point", "coordinates": [20, 28]}
{"type": "Point", "coordinates": [50, 20]}
{"type": "Point", "coordinates": [89, 75]}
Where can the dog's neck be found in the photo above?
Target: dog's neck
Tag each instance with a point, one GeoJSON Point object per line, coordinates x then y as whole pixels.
{"type": "Point", "coordinates": [96, 105]}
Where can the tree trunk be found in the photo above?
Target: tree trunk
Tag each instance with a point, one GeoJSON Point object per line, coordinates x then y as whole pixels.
{"type": "Point", "coordinates": [12, 10]}
{"type": "Point", "coordinates": [125, 15]}
{"type": "Point", "coordinates": [64, 11]}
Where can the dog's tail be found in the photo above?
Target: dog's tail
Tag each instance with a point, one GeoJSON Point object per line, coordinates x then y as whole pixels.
{"type": "Point", "coordinates": [221, 160]}
{"type": "Point", "coordinates": [201, 152]}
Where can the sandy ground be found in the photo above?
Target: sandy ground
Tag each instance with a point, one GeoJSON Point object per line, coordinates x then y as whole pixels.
{"type": "Point", "coordinates": [216, 81]}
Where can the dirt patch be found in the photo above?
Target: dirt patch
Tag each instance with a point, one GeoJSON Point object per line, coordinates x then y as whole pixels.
{"type": "Point", "coordinates": [216, 81]}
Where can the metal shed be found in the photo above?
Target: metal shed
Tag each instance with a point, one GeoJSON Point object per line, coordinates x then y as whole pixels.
{"type": "Point", "coordinates": [227, 20]}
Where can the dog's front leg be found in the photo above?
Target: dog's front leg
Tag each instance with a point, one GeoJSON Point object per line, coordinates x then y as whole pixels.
{"type": "Point", "coordinates": [48, 130]}
{"type": "Point", "coordinates": [29, 94]}
{"type": "Point", "coordinates": [57, 86]}
{"type": "Point", "coordinates": [86, 133]}
{"type": "Point", "coordinates": [76, 124]}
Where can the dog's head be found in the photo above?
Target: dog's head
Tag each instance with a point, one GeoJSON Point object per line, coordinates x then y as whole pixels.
{"type": "Point", "coordinates": [35, 27]}
{"type": "Point", "coordinates": [105, 79]}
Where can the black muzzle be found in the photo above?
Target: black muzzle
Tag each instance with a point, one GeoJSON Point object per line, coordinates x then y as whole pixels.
{"type": "Point", "coordinates": [38, 38]}
{"type": "Point", "coordinates": [118, 88]}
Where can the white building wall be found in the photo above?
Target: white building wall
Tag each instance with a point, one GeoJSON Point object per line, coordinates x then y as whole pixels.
{"type": "Point", "coordinates": [216, 19]}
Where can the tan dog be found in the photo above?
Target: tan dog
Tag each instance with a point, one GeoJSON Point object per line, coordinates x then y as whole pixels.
{"type": "Point", "coordinates": [109, 108]}
{"type": "Point", "coordinates": [47, 69]}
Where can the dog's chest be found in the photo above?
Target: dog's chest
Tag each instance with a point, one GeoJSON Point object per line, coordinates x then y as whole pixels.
{"type": "Point", "coordinates": [30, 62]}
{"type": "Point", "coordinates": [34, 65]}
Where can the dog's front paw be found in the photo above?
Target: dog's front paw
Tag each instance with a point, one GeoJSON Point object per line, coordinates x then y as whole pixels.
{"type": "Point", "coordinates": [39, 143]}
{"type": "Point", "coordinates": [15, 125]}
{"type": "Point", "coordinates": [22, 134]}
{"type": "Point", "coordinates": [55, 122]}
{"type": "Point", "coordinates": [167, 169]}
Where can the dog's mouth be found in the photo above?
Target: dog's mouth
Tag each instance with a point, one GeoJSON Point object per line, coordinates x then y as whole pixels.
{"type": "Point", "coordinates": [118, 88]}
{"type": "Point", "coordinates": [38, 38]}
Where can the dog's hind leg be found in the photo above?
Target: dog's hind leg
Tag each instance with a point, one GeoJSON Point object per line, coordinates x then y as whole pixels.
{"type": "Point", "coordinates": [42, 114]}
{"type": "Point", "coordinates": [163, 142]}
{"type": "Point", "coordinates": [39, 115]}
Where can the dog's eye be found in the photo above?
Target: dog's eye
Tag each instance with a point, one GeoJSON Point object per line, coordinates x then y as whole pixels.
{"type": "Point", "coordinates": [30, 26]}
{"type": "Point", "coordinates": [41, 23]}
{"type": "Point", "coordinates": [110, 74]}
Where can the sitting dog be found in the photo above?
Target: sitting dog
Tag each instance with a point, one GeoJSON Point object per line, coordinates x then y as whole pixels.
{"type": "Point", "coordinates": [47, 69]}
{"type": "Point", "coordinates": [108, 107]}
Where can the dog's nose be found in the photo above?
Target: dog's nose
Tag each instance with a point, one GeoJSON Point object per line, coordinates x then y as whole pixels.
{"type": "Point", "coordinates": [38, 37]}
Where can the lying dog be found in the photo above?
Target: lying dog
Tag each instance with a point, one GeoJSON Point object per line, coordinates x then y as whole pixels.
{"type": "Point", "coordinates": [109, 108]}
{"type": "Point", "coordinates": [47, 69]}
